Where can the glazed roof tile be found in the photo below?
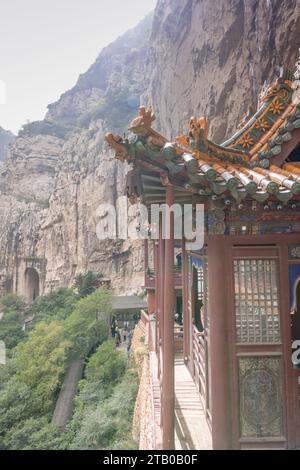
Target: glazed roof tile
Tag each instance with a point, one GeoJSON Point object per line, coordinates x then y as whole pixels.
{"type": "Point", "coordinates": [252, 163]}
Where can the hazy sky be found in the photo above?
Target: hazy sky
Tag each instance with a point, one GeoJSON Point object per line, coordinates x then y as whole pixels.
{"type": "Point", "coordinates": [46, 44]}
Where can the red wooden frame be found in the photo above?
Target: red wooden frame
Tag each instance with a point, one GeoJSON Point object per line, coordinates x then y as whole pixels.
{"type": "Point", "coordinates": [275, 246]}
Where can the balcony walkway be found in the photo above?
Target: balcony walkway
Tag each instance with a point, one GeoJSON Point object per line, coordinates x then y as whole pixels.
{"type": "Point", "coordinates": [191, 429]}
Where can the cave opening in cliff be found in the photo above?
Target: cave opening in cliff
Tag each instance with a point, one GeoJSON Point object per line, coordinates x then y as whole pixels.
{"type": "Point", "coordinates": [32, 284]}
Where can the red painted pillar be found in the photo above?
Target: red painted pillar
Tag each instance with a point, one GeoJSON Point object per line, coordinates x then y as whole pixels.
{"type": "Point", "coordinates": [156, 284]}
{"type": "Point", "coordinates": [168, 337]}
{"type": "Point", "coordinates": [185, 314]}
{"type": "Point", "coordinates": [151, 301]}
{"type": "Point", "coordinates": [146, 255]}
{"type": "Point", "coordinates": [218, 313]}
{"type": "Point", "coordinates": [161, 264]}
{"type": "Point", "coordinates": [161, 311]}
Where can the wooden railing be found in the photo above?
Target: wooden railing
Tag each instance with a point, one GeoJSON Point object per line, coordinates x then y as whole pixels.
{"type": "Point", "coordinates": [144, 317]}
{"type": "Point", "coordinates": [178, 338]}
{"type": "Point", "coordinates": [150, 275]}
{"type": "Point", "coordinates": [199, 358]}
{"type": "Point", "coordinates": [151, 271]}
{"type": "Point", "coordinates": [152, 334]}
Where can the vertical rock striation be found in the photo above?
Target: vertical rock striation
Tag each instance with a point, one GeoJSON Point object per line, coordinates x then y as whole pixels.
{"type": "Point", "coordinates": [211, 57]}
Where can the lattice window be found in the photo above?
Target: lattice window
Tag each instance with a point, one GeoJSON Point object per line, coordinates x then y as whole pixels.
{"type": "Point", "coordinates": [202, 284]}
{"type": "Point", "coordinates": [256, 301]}
{"type": "Point", "coordinates": [200, 275]}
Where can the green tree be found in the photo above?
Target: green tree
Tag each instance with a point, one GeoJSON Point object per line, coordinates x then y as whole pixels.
{"type": "Point", "coordinates": [88, 325]}
{"type": "Point", "coordinates": [41, 362]}
{"type": "Point", "coordinates": [87, 283]}
{"type": "Point", "coordinates": [106, 366]}
{"type": "Point", "coordinates": [57, 305]}
{"type": "Point", "coordinates": [35, 434]}
{"type": "Point", "coordinates": [11, 324]}
{"type": "Point", "coordinates": [30, 382]}
{"type": "Point", "coordinates": [108, 425]}
{"type": "Point", "coordinates": [16, 405]}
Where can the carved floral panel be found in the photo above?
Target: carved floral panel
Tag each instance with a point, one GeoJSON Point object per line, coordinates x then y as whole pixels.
{"type": "Point", "coordinates": [260, 397]}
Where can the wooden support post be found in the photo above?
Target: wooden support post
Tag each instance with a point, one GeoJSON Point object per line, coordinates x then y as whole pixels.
{"type": "Point", "coordinates": [219, 343]}
{"type": "Point", "coordinates": [156, 269]}
{"type": "Point", "coordinates": [168, 337]}
{"type": "Point", "coordinates": [146, 256]}
{"type": "Point", "coordinates": [161, 264]}
{"type": "Point", "coordinates": [161, 287]}
{"type": "Point", "coordinates": [185, 313]}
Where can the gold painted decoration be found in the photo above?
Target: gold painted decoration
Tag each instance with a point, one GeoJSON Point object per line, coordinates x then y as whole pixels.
{"type": "Point", "coordinates": [246, 141]}
{"type": "Point", "coordinates": [262, 125]}
{"type": "Point", "coordinates": [276, 107]}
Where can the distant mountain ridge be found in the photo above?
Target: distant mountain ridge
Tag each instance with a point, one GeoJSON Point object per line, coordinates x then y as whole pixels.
{"type": "Point", "coordinates": [109, 90]}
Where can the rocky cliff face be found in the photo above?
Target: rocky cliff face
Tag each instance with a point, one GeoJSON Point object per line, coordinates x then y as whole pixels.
{"type": "Point", "coordinates": [211, 57]}
{"type": "Point", "coordinates": [6, 138]}
{"type": "Point", "coordinates": [59, 171]}
{"type": "Point", "coordinates": [204, 57]}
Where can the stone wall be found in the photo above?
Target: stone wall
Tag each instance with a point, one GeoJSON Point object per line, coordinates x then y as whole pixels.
{"type": "Point", "coordinates": [143, 421]}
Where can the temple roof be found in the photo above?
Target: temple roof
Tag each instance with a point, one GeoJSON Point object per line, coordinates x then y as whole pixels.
{"type": "Point", "coordinates": [261, 161]}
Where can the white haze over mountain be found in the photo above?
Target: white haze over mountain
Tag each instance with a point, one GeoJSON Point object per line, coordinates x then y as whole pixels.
{"type": "Point", "coordinates": [44, 46]}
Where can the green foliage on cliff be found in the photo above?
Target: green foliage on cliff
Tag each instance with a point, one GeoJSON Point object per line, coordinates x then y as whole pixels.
{"type": "Point", "coordinates": [35, 434]}
{"type": "Point", "coordinates": [11, 324]}
{"type": "Point", "coordinates": [57, 305]}
{"type": "Point", "coordinates": [41, 361]}
{"type": "Point", "coordinates": [104, 407]}
{"type": "Point", "coordinates": [86, 283]}
{"type": "Point", "coordinates": [89, 322]}
{"type": "Point", "coordinates": [108, 425]}
{"type": "Point", "coordinates": [31, 380]}
{"type": "Point", "coordinates": [103, 372]}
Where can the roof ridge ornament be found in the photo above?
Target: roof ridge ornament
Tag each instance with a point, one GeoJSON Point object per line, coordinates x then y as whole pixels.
{"type": "Point", "coordinates": [142, 126]}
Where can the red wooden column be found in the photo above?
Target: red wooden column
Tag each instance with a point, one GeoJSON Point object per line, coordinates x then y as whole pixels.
{"type": "Point", "coordinates": [217, 276]}
{"type": "Point", "coordinates": [168, 334]}
{"type": "Point", "coordinates": [146, 255]}
{"type": "Point", "coordinates": [156, 263]}
{"type": "Point", "coordinates": [161, 265]}
{"type": "Point", "coordinates": [186, 325]}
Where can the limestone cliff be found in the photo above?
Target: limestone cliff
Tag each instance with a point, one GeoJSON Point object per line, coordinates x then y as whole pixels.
{"type": "Point", "coordinates": [211, 57]}
{"type": "Point", "coordinates": [202, 57]}
{"type": "Point", "coordinates": [59, 171]}
{"type": "Point", "coordinates": [6, 138]}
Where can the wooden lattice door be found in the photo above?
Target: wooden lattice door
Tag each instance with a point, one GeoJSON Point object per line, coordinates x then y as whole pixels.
{"type": "Point", "coordinates": [294, 287]}
{"type": "Point", "coordinates": [258, 349]}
